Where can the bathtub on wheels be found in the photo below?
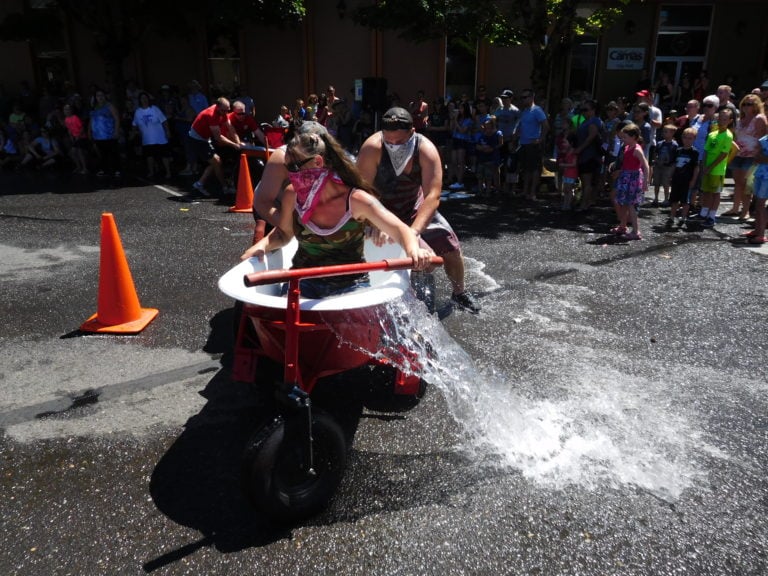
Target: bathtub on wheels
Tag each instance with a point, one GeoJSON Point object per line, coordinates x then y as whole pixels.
{"type": "Point", "coordinates": [286, 344]}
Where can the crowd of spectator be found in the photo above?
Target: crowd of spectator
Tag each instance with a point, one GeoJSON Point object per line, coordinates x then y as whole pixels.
{"type": "Point", "coordinates": [490, 144]}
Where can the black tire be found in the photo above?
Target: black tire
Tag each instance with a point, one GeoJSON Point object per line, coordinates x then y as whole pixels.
{"type": "Point", "coordinates": [273, 475]}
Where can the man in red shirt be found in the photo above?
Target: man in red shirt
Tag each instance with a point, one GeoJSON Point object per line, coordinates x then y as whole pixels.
{"type": "Point", "coordinates": [249, 133]}
{"type": "Point", "coordinates": [212, 132]}
{"type": "Point", "coordinates": [245, 125]}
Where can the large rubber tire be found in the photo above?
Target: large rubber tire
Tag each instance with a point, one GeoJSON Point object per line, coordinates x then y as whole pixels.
{"type": "Point", "coordinates": [273, 474]}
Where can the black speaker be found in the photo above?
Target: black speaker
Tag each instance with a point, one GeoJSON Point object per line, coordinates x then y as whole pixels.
{"type": "Point", "coordinates": [375, 94]}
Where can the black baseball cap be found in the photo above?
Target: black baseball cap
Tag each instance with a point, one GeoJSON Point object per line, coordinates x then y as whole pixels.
{"type": "Point", "coordinates": [397, 119]}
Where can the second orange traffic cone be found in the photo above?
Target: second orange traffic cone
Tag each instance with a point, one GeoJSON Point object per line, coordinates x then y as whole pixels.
{"type": "Point", "coordinates": [244, 198]}
{"type": "Point", "coordinates": [118, 311]}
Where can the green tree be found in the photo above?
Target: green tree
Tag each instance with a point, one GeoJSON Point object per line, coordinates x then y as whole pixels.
{"type": "Point", "coordinates": [546, 27]}
{"type": "Point", "coordinates": [119, 27]}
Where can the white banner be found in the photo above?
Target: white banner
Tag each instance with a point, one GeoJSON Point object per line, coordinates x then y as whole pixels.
{"type": "Point", "coordinates": [626, 59]}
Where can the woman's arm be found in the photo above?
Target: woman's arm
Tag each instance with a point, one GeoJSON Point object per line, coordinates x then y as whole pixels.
{"type": "Point", "coordinates": [280, 235]}
{"type": "Point", "coordinates": [643, 165]}
{"type": "Point", "coordinates": [366, 207]}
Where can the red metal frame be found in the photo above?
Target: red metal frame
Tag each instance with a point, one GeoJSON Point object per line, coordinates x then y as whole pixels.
{"type": "Point", "coordinates": [292, 327]}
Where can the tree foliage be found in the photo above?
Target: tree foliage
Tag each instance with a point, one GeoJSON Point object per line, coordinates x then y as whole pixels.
{"type": "Point", "coordinates": [546, 27]}
{"type": "Point", "coordinates": [118, 27]}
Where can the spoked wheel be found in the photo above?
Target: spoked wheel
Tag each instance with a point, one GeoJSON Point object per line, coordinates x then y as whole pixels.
{"type": "Point", "coordinates": [275, 474]}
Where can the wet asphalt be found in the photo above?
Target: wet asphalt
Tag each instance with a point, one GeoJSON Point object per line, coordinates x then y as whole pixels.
{"type": "Point", "coordinates": [605, 413]}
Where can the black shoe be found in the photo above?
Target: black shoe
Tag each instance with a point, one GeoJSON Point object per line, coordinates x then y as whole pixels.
{"type": "Point", "coordinates": [466, 301]}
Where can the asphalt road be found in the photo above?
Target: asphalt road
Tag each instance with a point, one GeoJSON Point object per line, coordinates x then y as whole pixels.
{"type": "Point", "coordinates": [606, 412]}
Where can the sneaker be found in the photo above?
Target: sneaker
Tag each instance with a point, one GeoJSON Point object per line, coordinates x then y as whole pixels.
{"type": "Point", "coordinates": [466, 301]}
{"type": "Point", "coordinates": [456, 186]}
{"type": "Point", "coordinates": [200, 188]}
{"type": "Point", "coordinates": [708, 223]}
{"type": "Point", "coordinates": [619, 230]}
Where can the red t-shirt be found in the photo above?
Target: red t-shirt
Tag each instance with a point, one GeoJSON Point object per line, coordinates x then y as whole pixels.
{"type": "Point", "coordinates": [243, 124]}
{"type": "Point", "coordinates": [74, 126]}
{"type": "Point", "coordinates": [210, 117]}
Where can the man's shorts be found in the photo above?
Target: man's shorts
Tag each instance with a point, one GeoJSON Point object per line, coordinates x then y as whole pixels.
{"type": "Point", "coordinates": [440, 236]}
{"type": "Point", "coordinates": [761, 188]}
{"type": "Point", "coordinates": [157, 151]}
{"type": "Point", "coordinates": [201, 150]}
{"type": "Point", "coordinates": [590, 167]}
{"type": "Point", "coordinates": [487, 170]}
{"type": "Point", "coordinates": [711, 184]}
{"type": "Point", "coordinates": [529, 157]}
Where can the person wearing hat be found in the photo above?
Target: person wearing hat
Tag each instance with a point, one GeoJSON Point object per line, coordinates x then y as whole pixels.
{"type": "Point", "coordinates": [406, 169]}
{"type": "Point", "coordinates": [764, 93]}
{"type": "Point", "coordinates": [654, 113]}
{"type": "Point", "coordinates": [507, 117]}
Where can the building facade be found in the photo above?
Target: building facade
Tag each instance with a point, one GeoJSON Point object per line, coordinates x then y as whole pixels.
{"type": "Point", "coordinates": [726, 38]}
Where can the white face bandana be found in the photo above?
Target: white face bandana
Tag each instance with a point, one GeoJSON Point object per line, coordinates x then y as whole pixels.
{"type": "Point", "coordinates": [400, 154]}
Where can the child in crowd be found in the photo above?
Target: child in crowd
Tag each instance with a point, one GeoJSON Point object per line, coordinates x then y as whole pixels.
{"type": "Point", "coordinates": [632, 183]}
{"type": "Point", "coordinates": [568, 163]}
{"type": "Point", "coordinates": [665, 164]}
{"type": "Point", "coordinates": [78, 137]}
{"type": "Point", "coordinates": [716, 151]}
{"type": "Point", "coordinates": [488, 147]}
{"type": "Point", "coordinates": [684, 176]}
{"type": "Point", "coordinates": [760, 191]}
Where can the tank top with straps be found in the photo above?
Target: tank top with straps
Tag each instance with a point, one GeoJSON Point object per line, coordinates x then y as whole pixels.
{"type": "Point", "coordinates": [402, 195]}
{"type": "Point", "coordinates": [342, 244]}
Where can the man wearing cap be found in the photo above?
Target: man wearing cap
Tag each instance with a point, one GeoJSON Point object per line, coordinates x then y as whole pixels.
{"type": "Point", "coordinates": [531, 134]}
{"type": "Point", "coordinates": [764, 93]}
{"type": "Point", "coordinates": [507, 118]}
{"type": "Point", "coordinates": [654, 113]}
{"type": "Point", "coordinates": [407, 171]}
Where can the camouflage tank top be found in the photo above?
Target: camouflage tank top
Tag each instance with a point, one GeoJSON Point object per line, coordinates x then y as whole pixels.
{"type": "Point", "coordinates": [342, 244]}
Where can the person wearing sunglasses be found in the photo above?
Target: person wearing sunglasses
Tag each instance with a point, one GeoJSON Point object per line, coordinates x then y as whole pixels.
{"type": "Point", "coordinates": [332, 206]}
{"type": "Point", "coordinates": [749, 128]}
{"type": "Point", "coordinates": [705, 123]}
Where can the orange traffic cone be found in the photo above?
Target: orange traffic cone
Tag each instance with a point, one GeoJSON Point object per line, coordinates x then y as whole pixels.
{"type": "Point", "coordinates": [244, 198]}
{"type": "Point", "coordinates": [118, 309]}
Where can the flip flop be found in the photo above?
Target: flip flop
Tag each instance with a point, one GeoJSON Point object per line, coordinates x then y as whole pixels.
{"type": "Point", "coordinates": [757, 240]}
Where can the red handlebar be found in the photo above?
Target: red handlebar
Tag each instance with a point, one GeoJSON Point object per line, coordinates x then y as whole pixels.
{"type": "Point", "coordinates": [283, 275]}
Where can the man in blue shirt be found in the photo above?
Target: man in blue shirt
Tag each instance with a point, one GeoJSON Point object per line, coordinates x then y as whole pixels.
{"type": "Point", "coordinates": [531, 132]}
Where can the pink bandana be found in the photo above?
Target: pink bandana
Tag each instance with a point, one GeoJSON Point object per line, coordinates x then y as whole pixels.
{"type": "Point", "coordinates": [308, 184]}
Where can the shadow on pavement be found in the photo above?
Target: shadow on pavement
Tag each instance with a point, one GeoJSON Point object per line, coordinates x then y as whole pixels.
{"type": "Point", "coordinates": [197, 482]}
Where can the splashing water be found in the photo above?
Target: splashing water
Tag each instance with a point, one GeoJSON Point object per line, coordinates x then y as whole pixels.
{"type": "Point", "coordinates": [596, 426]}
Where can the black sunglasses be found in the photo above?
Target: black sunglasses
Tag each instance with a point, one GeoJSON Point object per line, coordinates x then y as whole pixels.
{"type": "Point", "coordinates": [296, 166]}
